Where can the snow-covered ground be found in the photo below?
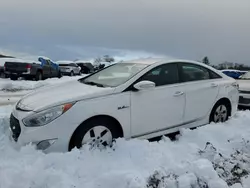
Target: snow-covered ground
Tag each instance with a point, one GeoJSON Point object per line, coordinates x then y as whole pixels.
{"type": "Point", "coordinates": [212, 156]}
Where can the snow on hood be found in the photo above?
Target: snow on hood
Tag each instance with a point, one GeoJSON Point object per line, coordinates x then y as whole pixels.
{"type": "Point", "coordinates": [57, 94]}
{"type": "Point", "coordinates": [244, 85]}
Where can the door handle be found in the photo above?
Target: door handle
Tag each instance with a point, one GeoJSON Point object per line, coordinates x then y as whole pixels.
{"type": "Point", "coordinates": [214, 85]}
{"type": "Point", "coordinates": [178, 93]}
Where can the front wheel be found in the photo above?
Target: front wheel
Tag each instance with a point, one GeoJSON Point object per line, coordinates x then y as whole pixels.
{"type": "Point", "coordinates": [98, 132]}
{"type": "Point", "coordinates": [72, 73]}
{"type": "Point", "coordinates": [220, 113]}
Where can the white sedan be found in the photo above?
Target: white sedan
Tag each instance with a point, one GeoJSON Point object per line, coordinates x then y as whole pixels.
{"type": "Point", "coordinates": [137, 99]}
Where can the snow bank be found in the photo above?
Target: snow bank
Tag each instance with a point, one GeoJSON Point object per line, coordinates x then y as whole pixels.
{"type": "Point", "coordinates": [207, 157]}
{"type": "Point", "coordinates": [9, 85]}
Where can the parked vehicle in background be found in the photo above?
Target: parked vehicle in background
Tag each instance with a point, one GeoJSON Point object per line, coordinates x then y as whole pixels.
{"type": "Point", "coordinates": [233, 73]}
{"type": "Point", "coordinates": [144, 98]}
{"type": "Point", "coordinates": [69, 68]}
{"type": "Point", "coordinates": [86, 67]}
{"type": "Point", "coordinates": [2, 75]}
{"type": "Point", "coordinates": [2, 62]}
{"type": "Point", "coordinates": [244, 90]}
{"type": "Point", "coordinates": [28, 69]}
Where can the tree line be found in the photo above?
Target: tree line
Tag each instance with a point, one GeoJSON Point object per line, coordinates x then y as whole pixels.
{"type": "Point", "coordinates": [226, 65]}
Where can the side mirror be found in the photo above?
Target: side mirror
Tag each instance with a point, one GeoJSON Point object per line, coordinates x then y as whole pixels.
{"type": "Point", "coordinates": [142, 85]}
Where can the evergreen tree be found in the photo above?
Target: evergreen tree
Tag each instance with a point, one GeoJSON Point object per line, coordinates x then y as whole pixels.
{"type": "Point", "coordinates": [205, 60]}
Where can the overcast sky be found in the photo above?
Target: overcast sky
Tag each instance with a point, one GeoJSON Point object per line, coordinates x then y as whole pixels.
{"type": "Point", "coordinates": [69, 29]}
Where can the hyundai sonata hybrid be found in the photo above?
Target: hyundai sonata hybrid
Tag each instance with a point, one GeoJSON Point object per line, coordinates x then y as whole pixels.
{"type": "Point", "coordinates": [142, 98]}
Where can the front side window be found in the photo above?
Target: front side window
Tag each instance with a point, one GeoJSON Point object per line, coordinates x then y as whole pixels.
{"type": "Point", "coordinates": [114, 75]}
{"type": "Point", "coordinates": [192, 72]}
{"type": "Point", "coordinates": [47, 62]}
{"type": "Point", "coordinates": [72, 65]}
{"type": "Point", "coordinates": [163, 75]}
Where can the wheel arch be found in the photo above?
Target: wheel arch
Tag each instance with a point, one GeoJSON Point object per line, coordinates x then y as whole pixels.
{"type": "Point", "coordinates": [39, 70]}
{"type": "Point", "coordinates": [112, 119]}
{"type": "Point", "coordinates": [223, 100]}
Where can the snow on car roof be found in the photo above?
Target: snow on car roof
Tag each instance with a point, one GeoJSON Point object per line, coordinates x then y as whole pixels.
{"type": "Point", "coordinates": [150, 61]}
{"type": "Point", "coordinates": [82, 61]}
{"type": "Point", "coordinates": [233, 70]}
{"type": "Point", "coordinates": [64, 62]}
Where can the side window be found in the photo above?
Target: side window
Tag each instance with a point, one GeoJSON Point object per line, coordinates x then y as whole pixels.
{"type": "Point", "coordinates": [214, 75]}
{"type": "Point", "coordinates": [163, 75]}
{"type": "Point", "coordinates": [47, 62]}
{"type": "Point", "coordinates": [192, 72]}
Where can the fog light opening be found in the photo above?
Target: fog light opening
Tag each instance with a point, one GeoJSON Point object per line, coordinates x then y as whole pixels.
{"type": "Point", "coordinates": [45, 144]}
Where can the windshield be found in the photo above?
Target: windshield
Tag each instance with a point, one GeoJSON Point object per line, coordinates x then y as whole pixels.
{"type": "Point", "coordinates": [114, 75]}
{"type": "Point", "coordinates": [246, 75]}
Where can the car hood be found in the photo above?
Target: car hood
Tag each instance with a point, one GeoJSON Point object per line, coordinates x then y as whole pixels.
{"type": "Point", "coordinates": [58, 94]}
{"type": "Point", "coordinates": [244, 85]}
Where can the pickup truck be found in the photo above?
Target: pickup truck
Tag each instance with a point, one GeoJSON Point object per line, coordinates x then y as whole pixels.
{"type": "Point", "coordinates": [38, 70]}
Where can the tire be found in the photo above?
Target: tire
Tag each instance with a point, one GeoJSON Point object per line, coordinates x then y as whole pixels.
{"type": "Point", "coordinates": [86, 130]}
{"type": "Point", "coordinates": [13, 77]}
{"type": "Point", "coordinates": [59, 75]}
{"type": "Point", "coordinates": [72, 73]}
{"type": "Point", "coordinates": [39, 76]}
{"type": "Point", "coordinates": [220, 112]}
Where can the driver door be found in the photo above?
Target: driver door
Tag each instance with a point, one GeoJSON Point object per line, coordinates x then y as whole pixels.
{"type": "Point", "coordinates": [160, 108]}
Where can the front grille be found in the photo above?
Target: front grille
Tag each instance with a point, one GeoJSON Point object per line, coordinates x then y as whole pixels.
{"type": "Point", "coordinates": [15, 127]}
{"type": "Point", "coordinates": [243, 100]}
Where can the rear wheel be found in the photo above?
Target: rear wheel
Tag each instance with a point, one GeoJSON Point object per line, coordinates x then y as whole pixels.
{"type": "Point", "coordinates": [220, 112]}
{"type": "Point", "coordinates": [39, 76]}
{"type": "Point", "coordinates": [13, 77]}
{"type": "Point", "coordinates": [59, 74]}
{"type": "Point", "coordinates": [97, 132]}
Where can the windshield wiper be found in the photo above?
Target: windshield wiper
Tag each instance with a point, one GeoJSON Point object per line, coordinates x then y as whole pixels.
{"type": "Point", "coordinates": [93, 84]}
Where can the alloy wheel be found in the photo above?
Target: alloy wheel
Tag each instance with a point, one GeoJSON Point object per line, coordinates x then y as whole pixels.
{"type": "Point", "coordinates": [221, 113]}
{"type": "Point", "coordinates": [98, 136]}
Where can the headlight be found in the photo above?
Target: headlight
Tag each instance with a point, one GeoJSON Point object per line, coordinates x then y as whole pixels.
{"type": "Point", "coordinates": [46, 116]}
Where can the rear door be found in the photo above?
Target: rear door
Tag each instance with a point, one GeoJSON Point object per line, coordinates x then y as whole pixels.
{"type": "Point", "coordinates": [201, 89]}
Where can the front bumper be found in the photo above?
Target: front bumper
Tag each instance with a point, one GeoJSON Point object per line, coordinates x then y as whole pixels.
{"type": "Point", "coordinates": [38, 135]}
{"type": "Point", "coordinates": [18, 73]}
{"type": "Point", "coordinates": [244, 99]}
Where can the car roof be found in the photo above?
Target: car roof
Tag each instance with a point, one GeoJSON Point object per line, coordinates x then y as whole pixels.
{"type": "Point", "coordinates": [150, 61]}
